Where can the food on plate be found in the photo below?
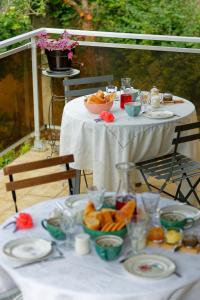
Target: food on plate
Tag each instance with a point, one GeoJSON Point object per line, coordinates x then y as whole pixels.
{"type": "Point", "coordinates": [156, 234]}
{"type": "Point", "coordinates": [107, 219]}
{"type": "Point", "coordinates": [100, 98]}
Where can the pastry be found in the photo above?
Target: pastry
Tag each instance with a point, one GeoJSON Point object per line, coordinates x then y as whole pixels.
{"type": "Point", "coordinates": [92, 223]}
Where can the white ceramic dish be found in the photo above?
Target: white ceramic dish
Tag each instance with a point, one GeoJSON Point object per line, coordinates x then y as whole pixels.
{"type": "Point", "coordinates": [183, 209]}
{"type": "Point", "coordinates": [27, 249]}
{"type": "Point", "coordinates": [149, 266]}
{"type": "Point", "coordinates": [159, 114]}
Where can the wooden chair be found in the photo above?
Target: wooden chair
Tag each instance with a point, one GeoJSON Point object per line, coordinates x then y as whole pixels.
{"type": "Point", "coordinates": [30, 166]}
{"type": "Point", "coordinates": [68, 83]}
{"type": "Point", "coordinates": [175, 167]}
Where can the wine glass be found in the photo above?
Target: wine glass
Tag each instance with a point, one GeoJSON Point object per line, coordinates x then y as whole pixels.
{"type": "Point", "coordinates": [96, 196]}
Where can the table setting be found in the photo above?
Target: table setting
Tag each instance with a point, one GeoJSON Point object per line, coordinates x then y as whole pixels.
{"type": "Point", "coordinates": [100, 245]}
{"type": "Point", "coordinates": [132, 128]}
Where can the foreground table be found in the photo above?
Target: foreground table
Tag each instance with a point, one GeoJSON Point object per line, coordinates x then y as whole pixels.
{"type": "Point", "coordinates": [90, 278]}
{"type": "Point", "coordinates": [99, 146]}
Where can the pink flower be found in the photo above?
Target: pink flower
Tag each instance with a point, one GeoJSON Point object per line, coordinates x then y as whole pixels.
{"type": "Point", "coordinates": [70, 55]}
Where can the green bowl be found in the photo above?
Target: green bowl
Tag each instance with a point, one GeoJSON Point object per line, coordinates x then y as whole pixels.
{"type": "Point", "coordinates": [96, 233]}
{"type": "Point", "coordinates": [52, 226]}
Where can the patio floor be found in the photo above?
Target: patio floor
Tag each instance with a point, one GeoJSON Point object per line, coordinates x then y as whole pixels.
{"type": "Point", "coordinates": [29, 196]}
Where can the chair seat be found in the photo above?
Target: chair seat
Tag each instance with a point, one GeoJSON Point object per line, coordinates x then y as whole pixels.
{"type": "Point", "coordinates": [170, 166]}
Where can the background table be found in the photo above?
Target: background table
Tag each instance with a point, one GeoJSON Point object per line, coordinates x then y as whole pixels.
{"type": "Point", "coordinates": [90, 278]}
{"type": "Point", "coordinates": [99, 146]}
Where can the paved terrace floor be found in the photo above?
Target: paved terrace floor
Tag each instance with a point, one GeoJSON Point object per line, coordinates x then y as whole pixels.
{"type": "Point", "coordinates": [29, 196]}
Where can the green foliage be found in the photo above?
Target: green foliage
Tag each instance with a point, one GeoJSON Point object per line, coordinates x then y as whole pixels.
{"type": "Point", "coordinates": [7, 158]}
{"type": "Point", "coordinates": [13, 154]}
{"type": "Point", "coordinates": [15, 16]}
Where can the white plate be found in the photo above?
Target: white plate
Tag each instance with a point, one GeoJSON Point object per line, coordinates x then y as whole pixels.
{"type": "Point", "coordinates": [27, 249]}
{"type": "Point", "coordinates": [149, 266]}
{"type": "Point", "coordinates": [184, 209]}
{"type": "Point", "coordinates": [159, 114]}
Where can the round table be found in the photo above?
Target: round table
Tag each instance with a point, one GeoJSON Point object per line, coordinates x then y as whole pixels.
{"type": "Point", "coordinates": [90, 278]}
{"type": "Point", "coordinates": [99, 146]}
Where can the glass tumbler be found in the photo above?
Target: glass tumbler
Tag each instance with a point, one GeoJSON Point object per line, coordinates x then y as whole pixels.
{"type": "Point", "coordinates": [150, 201]}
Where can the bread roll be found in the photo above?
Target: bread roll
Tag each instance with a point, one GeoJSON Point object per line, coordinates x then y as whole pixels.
{"type": "Point", "coordinates": [100, 94]}
{"type": "Point", "coordinates": [92, 223]}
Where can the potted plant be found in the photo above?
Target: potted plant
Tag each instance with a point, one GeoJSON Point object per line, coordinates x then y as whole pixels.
{"type": "Point", "coordinates": [59, 51]}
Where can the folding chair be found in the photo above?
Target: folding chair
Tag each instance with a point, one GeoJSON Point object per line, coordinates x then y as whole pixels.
{"type": "Point", "coordinates": [175, 167]}
{"type": "Point", "coordinates": [33, 181]}
{"type": "Point", "coordinates": [85, 81]}
{"type": "Point", "coordinates": [69, 94]}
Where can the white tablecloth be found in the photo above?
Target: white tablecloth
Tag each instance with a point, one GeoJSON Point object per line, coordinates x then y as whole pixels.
{"type": "Point", "coordinates": [90, 278]}
{"type": "Point", "coordinates": [99, 146]}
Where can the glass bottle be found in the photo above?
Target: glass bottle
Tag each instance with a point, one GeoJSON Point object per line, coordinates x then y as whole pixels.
{"type": "Point", "coordinates": [155, 97]}
{"type": "Point", "coordinates": [126, 91]}
{"type": "Point", "coordinates": [126, 187]}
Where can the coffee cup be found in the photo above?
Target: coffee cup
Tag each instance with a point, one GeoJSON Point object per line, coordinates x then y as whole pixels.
{"type": "Point", "coordinates": [175, 220]}
{"type": "Point", "coordinates": [108, 247]}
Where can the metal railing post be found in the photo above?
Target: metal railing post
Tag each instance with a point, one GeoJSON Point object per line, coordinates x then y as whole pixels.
{"type": "Point", "coordinates": [37, 141]}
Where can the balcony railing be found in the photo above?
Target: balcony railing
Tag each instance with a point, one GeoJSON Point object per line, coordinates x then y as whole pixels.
{"type": "Point", "coordinates": [22, 100]}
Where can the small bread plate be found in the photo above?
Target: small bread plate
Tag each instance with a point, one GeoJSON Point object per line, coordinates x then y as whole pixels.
{"type": "Point", "coordinates": [159, 114]}
{"type": "Point", "coordinates": [27, 249]}
{"type": "Point", "coordinates": [149, 266]}
{"type": "Point", "coordinates": [183, 209]}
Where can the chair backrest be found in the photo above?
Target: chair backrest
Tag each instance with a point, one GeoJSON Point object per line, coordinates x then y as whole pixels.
{"type": "Point", "coordinates": [85, 81]}
{"type": "Point", "coordinates": [33, 181]}
{"type": "Point", "coordinates": [182, 139]}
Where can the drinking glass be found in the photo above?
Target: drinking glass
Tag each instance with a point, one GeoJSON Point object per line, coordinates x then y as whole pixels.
{"type": "Point", "coordinates": [136, 229]}
{"type": "Point", "coordinates": [67, 225]}
{"type": "Point", "coordinates": [150, 201]}
{"type": "Point", "coordinates": [145, 100]}
{"type": "Point", "coordinates": [96, 196]}
{"type": "Point", "coordinates": [111, 88]}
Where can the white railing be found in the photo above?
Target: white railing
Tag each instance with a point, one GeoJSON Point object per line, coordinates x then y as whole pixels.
{"type": "Point", "coordinates": [130, 36]}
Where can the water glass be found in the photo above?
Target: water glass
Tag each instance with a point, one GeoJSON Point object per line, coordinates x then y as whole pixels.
{"type": "Point", "coordinates": [96, 196]}
{"type": "Point", "coordinates": [111, 88]}
{"type": "Point", "coordinates": [150, 201]}
{"type": "Point", "coordinates": [67, 225]}
{"type": "Point", "coordinates": [145, 100]}
{"type": "Point", "coordinates": [136, 229]}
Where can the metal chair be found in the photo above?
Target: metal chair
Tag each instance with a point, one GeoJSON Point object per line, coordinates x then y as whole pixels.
{"type": "Point", "coordinates": [69, 174]}
{"type": "Point", "coordinates": [85, 81]}
{"type": "Point", "coordinates": [175, 167]}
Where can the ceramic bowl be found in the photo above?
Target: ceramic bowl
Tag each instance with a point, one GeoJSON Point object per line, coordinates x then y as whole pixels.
{"type": "Point", "coordinates": [175, 220]}
{"type": "Point", "coordinates": [97, 233]}
{"type": "Point", "coordinates": [98, 108]}
{"type": "Point", "coordinates": [133, 108]}
{"type": "Point", "coordinates": [52, 226]}
{"type": "Point", "coordinates": [108, 247]}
